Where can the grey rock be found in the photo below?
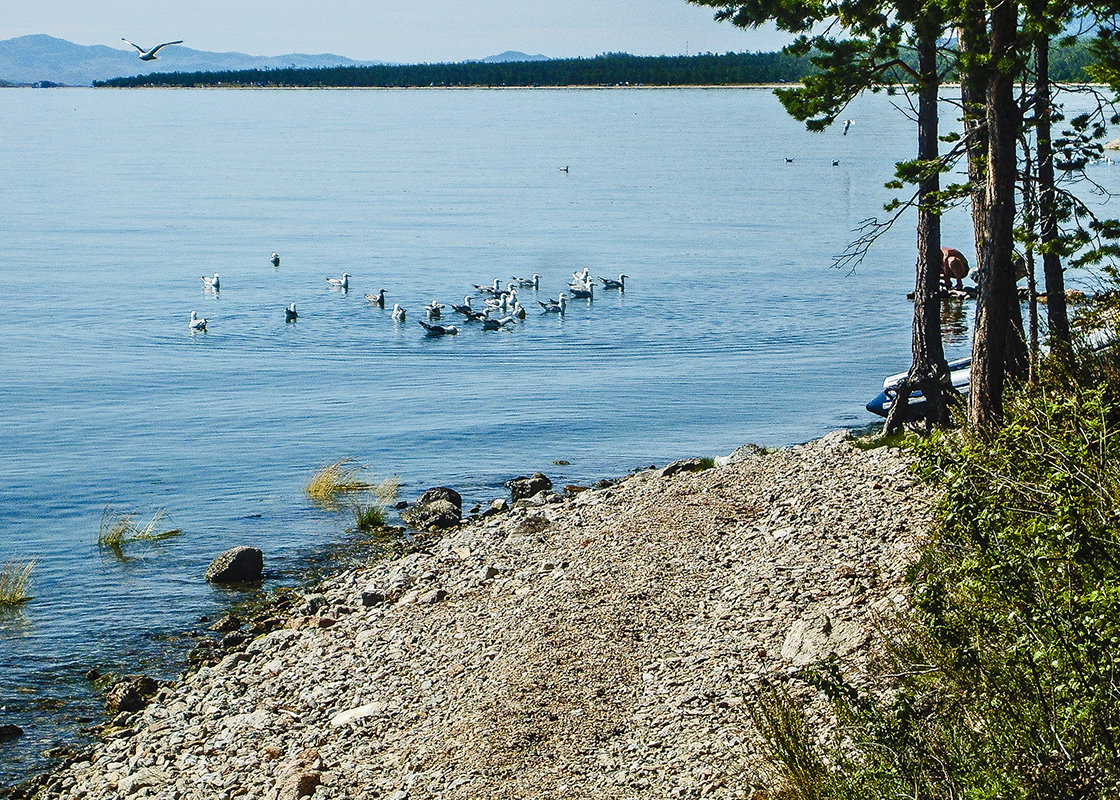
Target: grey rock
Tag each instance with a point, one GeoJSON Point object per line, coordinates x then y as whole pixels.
{"type": "Point", "coordinates": [10, 732]}
{"type": "Point", "coordinates": [441, 493]}
{"type": "Point", "coordinates": [372, 598]}
{"type": "Point", "coordinates": [524, 487]}
{"type": "Point", "coordinates": [129, 694]}
{"type": "Point", "coordinates": [437, 508]}
{"type": "Point", "coordinates": [684, 465]}
{"type": "Point", "coordinates": [432, 597]}
{"type": "Point", "coordinates": [815, 638]}
{"type": "Point", "coordinates": [498, 506]}
{"type": "Point", "coordinates": [141, 778]}
{"type": "Point", "coordinates": [236, 565]}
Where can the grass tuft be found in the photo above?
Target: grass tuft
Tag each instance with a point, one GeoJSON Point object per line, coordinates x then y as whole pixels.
{"type": "Point", "coordinates": [333, 479]}
{"type": "Point", "coordinates": [15, 578]}
{"type": "Point", "coordinates": [117, 529]}
{"type": "Point", "coordinates": [369, 517]}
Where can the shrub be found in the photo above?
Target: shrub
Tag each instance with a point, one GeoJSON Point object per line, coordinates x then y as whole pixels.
{"type": "Point", "coordinates": [15, 579]}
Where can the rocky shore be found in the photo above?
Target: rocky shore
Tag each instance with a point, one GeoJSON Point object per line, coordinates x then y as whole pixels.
{"type": "Point", "coordinates": [602, 645]}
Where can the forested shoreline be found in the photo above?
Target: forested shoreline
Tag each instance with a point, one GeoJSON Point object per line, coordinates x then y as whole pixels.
{"type": "Point", "coordinates": [609, 69]}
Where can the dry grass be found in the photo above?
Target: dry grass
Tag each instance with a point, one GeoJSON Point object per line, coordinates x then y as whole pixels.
{"type": "Point", "coordinates": [334, 479]}
{"type": "Point", "coordinates": [15, 578]}
{"type": "Point", "coordinates": [118, 529]}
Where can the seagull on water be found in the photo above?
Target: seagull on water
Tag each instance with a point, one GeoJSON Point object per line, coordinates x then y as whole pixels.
{"type": "Point", "coordinates": [527, 283]}
{"type": "Point", "coordinates": [275, 259]}
{"type": "Point", "coordinates": [398, 312]}
{"type": "Point", "coordinates": [377, 299]}
{"type": "Point", "coordinates": [492, 290]}
{"type": "Point", "coordinates": [557, 306]}
{"type": "Point", "coordinates": [196, 323]}
{"type": "Point", "coordinates": [585, 292]}
{"type": "Point", "coordinates": [847, 124]}
{"type": "Point", "coordinates": [342, 283]}
{"type": "Point", "coordinates": [212, 282]}
{"type": "Point", "coordinates": [290, 314]}
{"type": "Point", "coordinates": [495, 324]}
{"type": "Point", "coordinates": [439, 330]}
{"type": "Point", "coordinates": [465, 309]}
{"type": "Point", "coordinates": [517, 310]}
{"type": "Point", "coordinates": [613, 284]}
{"type": "Point", "coordinates": [433, 309]}
{"type": "Point", "coordinates": [150, 55]}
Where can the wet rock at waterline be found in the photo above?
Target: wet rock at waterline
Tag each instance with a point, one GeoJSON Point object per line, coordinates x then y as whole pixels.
{"type": "Point", "coordinates": [236, 565]}
{"type": "Point", "coordinates": [10, 732]}
{"type": "Point", "coordinates": [436, 508]}
{"type": "Point", "coordinates": [129, 694]}
{"type": "Point", "coordinates": [524, 487]}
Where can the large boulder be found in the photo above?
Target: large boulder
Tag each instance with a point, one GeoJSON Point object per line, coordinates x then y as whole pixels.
{"type": "Point", "coordinates": [10, 732]}
{"type": "Point", "coordinates": [524, 487]}
{"type": "Point", "coordinates": [236, 565]}
{"type": "Point", "coordinates": [436, 508]}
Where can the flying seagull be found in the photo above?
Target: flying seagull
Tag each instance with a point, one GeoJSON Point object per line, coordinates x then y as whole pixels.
{"type": "Point", "coordinates": [847, 124]}
{"type": "Point", "coordinates": [150, 55]}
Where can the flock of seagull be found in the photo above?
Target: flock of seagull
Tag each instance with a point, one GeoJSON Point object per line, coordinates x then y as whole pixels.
{"type": "Point", "coordinates": [500, 307]}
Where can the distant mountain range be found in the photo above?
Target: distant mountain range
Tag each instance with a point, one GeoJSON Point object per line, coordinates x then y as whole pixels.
{"type": "Point", "coordinates": [39, 59]}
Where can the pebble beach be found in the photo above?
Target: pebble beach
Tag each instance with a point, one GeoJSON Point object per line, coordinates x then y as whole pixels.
{"type": "Point", "coordinates": [604, 643]}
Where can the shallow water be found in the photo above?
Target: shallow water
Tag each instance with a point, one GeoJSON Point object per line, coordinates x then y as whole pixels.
{"type": "Point", "coordinates": [733, 326]}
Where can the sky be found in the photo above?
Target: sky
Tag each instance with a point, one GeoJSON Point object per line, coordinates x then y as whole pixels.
{"type": "Point", "coordinates": [404, 31]}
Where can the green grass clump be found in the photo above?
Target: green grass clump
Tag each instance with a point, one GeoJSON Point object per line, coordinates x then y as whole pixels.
{"type": "Point", "coordinates": [334, 479]}
{"type": "Point", "coordinates": [15, 579]}
{"type": "Point", "coordinates": [118, 529]}
{"type": "Point", "coordinates": [369, 517]}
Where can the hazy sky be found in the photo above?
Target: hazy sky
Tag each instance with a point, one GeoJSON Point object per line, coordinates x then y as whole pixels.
{"type": "Point", "coordinates": [392, 30]}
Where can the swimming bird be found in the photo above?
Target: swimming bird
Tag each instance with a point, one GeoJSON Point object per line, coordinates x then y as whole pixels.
{"type": "Point", "coordinates": [493, 289]}
{"type": "Point", "coordinates": [433, 309]}
{"type": "Point", "coordinates": [212, 282]}
{"type": "Point", "coordinates": [527, 283]}
{"type": "Point", "coordinates": [398, 312]}
{"type": "Point", "coordinates": [835, 162]}
{"type": "Point", "coordinates": [847, 124]}
{"type": "Point", "coordinates": [465, 309]}
{"type": "Point", "coordinates": [564, 168]}
{"type": "Point", "coordinates": [275, 259]}
{"type": "Point", "coordinates": [377, 299]}
{"type": "Point", "coordinates": [342, 283]}
{"type": "Point", "coordinates": [150, 55]}
{"type": "Point", "coordinates": [495, 324]}
{"type": "Point", "coordinates": [290, 314]}
{"type": "Point", "coordinates": [439, 330]}
{"type": "Point", "coordinates": [517, 310]}
{"type": "Point", "coordinates": [581, 277]}
{"type": "Point", "coordinates": [789, 160]}
{"type": "Point", "coordinates": [612, 284]}
{"type": "Point", "coordinates": [196, 323]}
{"type": "Point", "coordinates": [557, 306]}
{"type": "Point", "coordinates": [586, 292]}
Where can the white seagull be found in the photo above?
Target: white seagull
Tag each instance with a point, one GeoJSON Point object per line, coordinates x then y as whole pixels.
{"type": "Point", "coordinates": [290, 314]}
{"type": "Point", "coordinates": [612, 284]}
{"type": "Point", "coordinates": [150, 55]}
{"type": "Point", "coordinates": [433, 309]}
{"type": "Point", "coordinates": [275, 259]}
{"type": "Point", "coordinates": [398, 312]}
{"type": "Point", "coordinates": [439, 330]}
{"type": "Point", "coordinates": [847, 124]}
{"type": "Point", "coordinates": [557, 306]}
{"type": "Point", "coordinates": [212, 282]}
{"type": "Point", "coordinates": [342, 283]}
{"type": "Point", "coordinates": [197, 323]}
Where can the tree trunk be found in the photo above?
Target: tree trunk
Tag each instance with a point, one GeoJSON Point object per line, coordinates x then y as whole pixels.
{"type": "Point", "coordinates": [997, 273]}
{"type": "Point", "coordinates": [928, 371]}
{"type": "Point", "coordinates": [973, 43]}
{"type": "Point", "coordinates": [1057, 316]}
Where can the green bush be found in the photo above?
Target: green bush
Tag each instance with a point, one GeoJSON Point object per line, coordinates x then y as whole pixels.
{"type": "Point", "coordinates": [1009, 668]}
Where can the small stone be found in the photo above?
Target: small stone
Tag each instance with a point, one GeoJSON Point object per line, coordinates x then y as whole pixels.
{"type": "Point", "coordinates": [368, 710]}
{"type": "Point", "coordinates": [432, 597]}
{"type": "Point", "coordinates": [236, 565]}
{"type": "Point", "coordinates": [226, 624]}
{"type": "Point", "coordinates": [370, 598]}
{"type": "Point", "coordinates": [297, 785]}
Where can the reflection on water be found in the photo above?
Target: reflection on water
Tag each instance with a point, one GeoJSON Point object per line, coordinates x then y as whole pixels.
{"type": "Point", "coordinates": [954, 325]}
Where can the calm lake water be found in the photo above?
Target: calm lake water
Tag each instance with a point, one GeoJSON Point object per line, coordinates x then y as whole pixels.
{"type": "Point", "coordinates": [733, 327]}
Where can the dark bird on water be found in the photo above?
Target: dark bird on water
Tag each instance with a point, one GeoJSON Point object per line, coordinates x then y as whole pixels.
{"type": "Point", "coordinates": [275, 259]}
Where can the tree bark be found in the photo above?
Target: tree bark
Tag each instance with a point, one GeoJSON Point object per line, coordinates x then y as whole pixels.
{"type": "Point", "coordinates": [973, 42]}
{"type": "Point", "coordinates": [928, 370]}
{"type": "Point", "coordinates": [1057, 315]}
{"type": "Point", "coordinates": [997, 273]}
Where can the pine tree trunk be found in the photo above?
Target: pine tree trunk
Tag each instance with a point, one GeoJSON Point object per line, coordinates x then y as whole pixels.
{"type": "Point", "coordinates": [928, 370]}
{"type": "Point", "coordinates": [973, 42]}
{"type": "Point", "coordinates": [1057, 315]}
{"type": "Point", "coordinates": [997, 274]}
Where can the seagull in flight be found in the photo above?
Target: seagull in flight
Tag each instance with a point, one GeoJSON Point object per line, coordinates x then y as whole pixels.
{"type": "Point", "coordinates": [150, 55]}
{"type": "Point", "coordinates": [847, 124]}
